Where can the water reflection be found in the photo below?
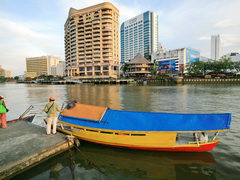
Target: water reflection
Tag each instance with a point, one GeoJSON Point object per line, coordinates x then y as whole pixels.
{"type": "Point", "coordinates": [102, 162]}
{"type": "Point", "coordinates": [95, 95]}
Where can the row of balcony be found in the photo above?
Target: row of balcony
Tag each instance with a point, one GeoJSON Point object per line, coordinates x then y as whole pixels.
{"type": "Point", "coordinates": [94, 49]}
{"type": "Point", "coordinates": [104, 32]}
{"type": "Point", "coordinates": [103, 19]}
{"type": "Point", "coordinates": [96, 41]}
{"type": "Point", "coordinates": [90, 56]}
{"type": "Point", "coordinates": [94, 28]}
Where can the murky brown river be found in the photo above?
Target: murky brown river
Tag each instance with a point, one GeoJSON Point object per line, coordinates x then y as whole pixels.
{"type": "Point", "coordinates": [101, 162]}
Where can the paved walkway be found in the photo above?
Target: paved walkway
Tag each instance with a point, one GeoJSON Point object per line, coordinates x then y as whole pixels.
{"type": "Point", "coordinates": [24, 144]}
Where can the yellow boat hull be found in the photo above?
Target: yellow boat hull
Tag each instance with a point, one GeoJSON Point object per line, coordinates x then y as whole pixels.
{"type": "Point", "coordinates": [146, 140]}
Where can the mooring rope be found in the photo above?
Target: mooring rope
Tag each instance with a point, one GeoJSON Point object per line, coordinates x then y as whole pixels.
{"type": "Point", "coordinates": [84, 155]}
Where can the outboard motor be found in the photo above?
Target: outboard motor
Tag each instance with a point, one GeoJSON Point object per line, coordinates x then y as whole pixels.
{"type": "Point", "coordinates": [71, 105]}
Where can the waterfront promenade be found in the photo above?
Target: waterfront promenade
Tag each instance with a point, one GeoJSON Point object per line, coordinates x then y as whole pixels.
{"type": "Point", "coordinates": [24, 145]}
{"type": "Point", "coordinates": [141, 81]}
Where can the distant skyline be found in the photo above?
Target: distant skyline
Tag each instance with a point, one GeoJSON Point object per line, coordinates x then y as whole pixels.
{"type": "Point", "coordinates": [36, 27]}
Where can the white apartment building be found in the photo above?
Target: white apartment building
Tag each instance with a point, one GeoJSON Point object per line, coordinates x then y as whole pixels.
{"type": "Point", "coordinates": [139, 35]}
{"type": "Point", "coordinates": [215, 47]}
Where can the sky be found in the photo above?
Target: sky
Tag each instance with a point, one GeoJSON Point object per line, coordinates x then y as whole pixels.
{"type": "Point", "coordinates": [36, 27]}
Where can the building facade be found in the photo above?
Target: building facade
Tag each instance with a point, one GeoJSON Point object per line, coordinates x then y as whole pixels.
{"type": "Point", "coordinates": [215, 47]}
{"type": "Point", "coordinates": [175, 60]}
{"type": "Point", "coordinates": [138, 67]}
{"type": "Point", "coordinates": [92, 42]}
{"type": "Point", "coordinates": [5, 73]}
{"type": "Point", "coordinates": [44, 65]}
{"type": "Point", "coordinates": [234, 56]}
{"type": "Point", "coordinates": [139, 35]}
{"type": "Point", "coordinates": [2, 72]}
{"type": "Point", "coordinates": [61, 68]}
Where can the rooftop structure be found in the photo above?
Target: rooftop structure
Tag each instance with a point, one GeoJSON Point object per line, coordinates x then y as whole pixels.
{"type": "Point", "coordinates": [138, 66]}
{"type": "Point", "coordinates": [234, 56]}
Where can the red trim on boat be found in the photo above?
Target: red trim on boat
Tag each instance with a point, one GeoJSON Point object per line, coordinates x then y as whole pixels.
{"type": "Point", "coordinates": [203, 147]}
{"type": "Point", "coordinates": [200, 148]}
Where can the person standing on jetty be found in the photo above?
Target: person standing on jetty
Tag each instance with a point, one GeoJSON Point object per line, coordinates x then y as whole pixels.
{"type": "Point", "coordinates": [3, 111]}
{"type": "Point", "coordinates": [51, 109]}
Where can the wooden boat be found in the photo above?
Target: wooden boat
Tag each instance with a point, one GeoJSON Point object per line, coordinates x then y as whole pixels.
{"type": "Point", "coordinates": [27, 118]}
{"type": "Point", "coordinates": [142, 130]}
{"type": "Point", "coordinates": [23, 116]}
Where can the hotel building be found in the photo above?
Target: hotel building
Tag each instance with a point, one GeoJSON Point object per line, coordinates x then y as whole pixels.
{"type": "Point", "coordinates": [215, 47]}
{"type": "Point", "coordinates": [44, 65]}
{"type": "Point", "coordinates": [139, 35]}
{"type": "Point", "coordinates": [92, 42]}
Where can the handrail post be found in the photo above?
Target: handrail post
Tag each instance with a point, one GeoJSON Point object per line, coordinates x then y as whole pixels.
{"type": "Point", "coordinates": [215, 136]}
{"type": "Point", "coordinates": [196, 139]}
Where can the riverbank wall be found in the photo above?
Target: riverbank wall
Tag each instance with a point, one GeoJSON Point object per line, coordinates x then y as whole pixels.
{"type": "Point", "coordinates": [209, 81]}
{"type": "Point", "coordinates": [169, 81]}
{"type": "Point", "coordinates": [174, 81]}
{"type": "Point", "coordinates": [90, 81]}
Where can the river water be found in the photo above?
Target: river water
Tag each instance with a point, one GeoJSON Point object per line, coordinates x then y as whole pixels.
{"type": "Point", "coordinates": [95, 162]}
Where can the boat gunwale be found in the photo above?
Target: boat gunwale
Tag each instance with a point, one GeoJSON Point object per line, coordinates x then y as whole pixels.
{"type": "Point", "coordinates": [125, 131]}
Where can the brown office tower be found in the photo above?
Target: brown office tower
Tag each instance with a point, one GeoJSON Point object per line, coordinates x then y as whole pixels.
{"type": "Point", "coordinates": [92, 42]}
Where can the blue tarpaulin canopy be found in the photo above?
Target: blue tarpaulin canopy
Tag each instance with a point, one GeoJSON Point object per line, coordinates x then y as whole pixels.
{"type": "Point", "coordinates": [152, 121]}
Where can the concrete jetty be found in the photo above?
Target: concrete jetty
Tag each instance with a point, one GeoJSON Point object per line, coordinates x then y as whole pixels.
{"type": "Point", "coordinates": [23, 145]}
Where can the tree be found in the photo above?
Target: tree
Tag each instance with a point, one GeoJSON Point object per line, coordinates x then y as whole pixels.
{"type": "Point", "coordinates": [2, 79]}
{"type": "Point", "coordinates": [16, 78]}
{"type": "Point", "coordinates": [154, 68]}
{"type": "Point", "coordinates": [236, 66]}
{"type": "Point", "coordinates": [195, 68]}
{"type": "Point", "coordinates": [124, 68]}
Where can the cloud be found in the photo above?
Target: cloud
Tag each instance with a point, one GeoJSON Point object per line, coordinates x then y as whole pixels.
{"type": "Point", "coordinates": [229, 40]}
{"type": "Point", "coordinates": [204, 38]}
{"type": "Point", "coordinates": [19, 40]}
{"type": "Point", "coordinates": [20, 29]}
{"type": "Point", "coordinates": [226, 23]}
{"type": "Point", "coordinates": [191, 23]}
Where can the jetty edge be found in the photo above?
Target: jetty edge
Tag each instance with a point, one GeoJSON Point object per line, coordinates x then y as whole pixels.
{"type": "Point", "coordinates": [24, 145]}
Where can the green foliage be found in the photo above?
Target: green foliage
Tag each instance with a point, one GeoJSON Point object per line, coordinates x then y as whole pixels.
{"type": "Point", "coordinates": [16, 78]}
{"type": "Point", "coordinates": [224, 65]}
{"type": "Point", "coordinates": [195, 68]}
{"type": "Point", "coordinates": [154, 68]}
{"type": "Point", "coordinates": [124, 67]}
{"type": "Point", "coordinates": [2, 79]}
{"type": "Point", "coordinates": [46, 77]}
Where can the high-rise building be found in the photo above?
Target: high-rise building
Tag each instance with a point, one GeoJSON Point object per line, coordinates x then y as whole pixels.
{"type": "Point", "coordinates": [2, 72]}
{"type": "Point", "coordinates": [139, 35]}
{"type": "Point", "coordinates": [92, 42]}
{"type": "Point", "coordinates": [215, 47]}
{"type": "Point", "coordinates": [5, 73]}
{"type": "Point", "coordinates": [44, 65]}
